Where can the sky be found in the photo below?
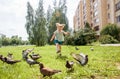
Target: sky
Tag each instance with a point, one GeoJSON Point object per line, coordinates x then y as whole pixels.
{"type": "Point", "coordinates": [13, 12]}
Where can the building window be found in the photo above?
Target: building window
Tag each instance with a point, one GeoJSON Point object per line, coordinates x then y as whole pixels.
{"type": "Point", "coordinates": [84, 7]}
{"type": "Point", "coordinates": [108, 15]}
{"type": "Point", "coordinates": [96, 28]}
{"type": "Point", "coordinates": [91, 12]}
{"type": "Point", "coordinates": [95, 6]}
{"type": "Point", "coordinates": [118, 6]}
{"type": "Point", "coordinates": [96, 20]}
{"type": "Point", "coordinates": [95, 13]}
{"type": "Point", "coordinates": [91, 24]}
{"type": "Point", "coordinates": [84, 22]}
{"type": "Point", "coordinates": [118, 18]}
{"type": "Point", "coordinates": [84, 2]}
{"type": "Point", "coordinates": [108, 6]}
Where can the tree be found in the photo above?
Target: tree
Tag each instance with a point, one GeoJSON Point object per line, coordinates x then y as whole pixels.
{"type": "Point", "coordinates": [0, 41]}
{"type": "Point", "coordinates": [5, 41]}
{"type": "Point", "coordinates": [55, 4]}
{"type": "Point", "coordinates": [48, 18]}
{"type": "Point", "coordinates": [49, 14]}
{"type": "Point", "coordinates": [39, 30]}
{"type": "Point", "coordinates": [63, 6]}
{"type": "Point", "coordinates": [30, 22]}
{"type": "Point", "coordinates": [35, 25]}
{"type": "Point", "coordinates": [15, 40]}
{"type": "Point", "coordinates": [87, 27]}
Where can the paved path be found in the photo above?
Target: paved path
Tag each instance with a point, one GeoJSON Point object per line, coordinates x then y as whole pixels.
{"type": "Point", "coordinates": [110, 45]}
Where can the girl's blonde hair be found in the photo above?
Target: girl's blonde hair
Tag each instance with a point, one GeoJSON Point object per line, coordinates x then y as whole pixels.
{"type": "Point", "coordinates": [58, 24]}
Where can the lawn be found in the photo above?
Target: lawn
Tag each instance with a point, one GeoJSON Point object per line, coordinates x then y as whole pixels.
{"type": "Point", "coordinates": [104, 63]}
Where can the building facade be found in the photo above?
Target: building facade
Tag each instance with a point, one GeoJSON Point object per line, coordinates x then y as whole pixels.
{"type": "Point", "coordinates": [117, 12]}
{"type": "Point", "coordinates": [97, 13]}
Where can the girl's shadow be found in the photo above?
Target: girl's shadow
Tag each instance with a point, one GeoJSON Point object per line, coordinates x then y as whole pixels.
{"type": "Point", "coordinates": [62, 57]}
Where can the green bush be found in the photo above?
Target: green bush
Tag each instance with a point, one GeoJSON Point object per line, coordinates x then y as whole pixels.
{"type": "Point", "coordinates": [79, 38]}
{"type": "Point", "coordinates": [82, 37]}
{"type": "Point", "coordinates": [69, 40]}
{"type": "Point", "coordinates": [112, 30]}
{"type": "Point", "coordinates": [107, 39]}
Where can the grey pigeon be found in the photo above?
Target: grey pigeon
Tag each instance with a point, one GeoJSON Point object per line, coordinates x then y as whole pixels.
{"type": "Point", "coordinates": [81, 58]}
{"type": "Point", "coordinates": [9, 61]}
{"type": "Point", "coordinates": [31, 61]}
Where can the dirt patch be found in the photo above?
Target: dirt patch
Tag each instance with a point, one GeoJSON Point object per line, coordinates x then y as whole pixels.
{"type": "Point", "coordinates": [118, 65]}
{"type": "Point", "coordinates": [117, 77]}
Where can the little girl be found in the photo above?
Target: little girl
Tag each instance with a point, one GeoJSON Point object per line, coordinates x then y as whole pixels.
{"type": "Point", "coordinates": [58, 37]}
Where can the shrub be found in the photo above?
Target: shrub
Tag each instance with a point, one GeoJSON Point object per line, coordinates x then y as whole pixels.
{"type": "Point", "coordinates": [69, 40]}
{"type": "Point", "coordinates": [107, 39]}
{"type": "Point", "coordinates": [82, 37]}
{"type": "Point", "coordinates": [112, 30]}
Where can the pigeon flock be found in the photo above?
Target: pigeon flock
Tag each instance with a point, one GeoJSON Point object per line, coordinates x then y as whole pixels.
{"type": "Point", "coordinates": [31, 59]}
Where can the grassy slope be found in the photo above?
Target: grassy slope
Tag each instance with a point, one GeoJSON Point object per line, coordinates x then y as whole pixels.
{"type": "Point", "coordinates": [104, 62]}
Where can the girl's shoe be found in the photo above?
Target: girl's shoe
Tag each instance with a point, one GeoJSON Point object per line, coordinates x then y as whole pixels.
{"type": "Point", "coordinates": [58, 51]}
{"type": "Point", "coordinates": [60, 54]}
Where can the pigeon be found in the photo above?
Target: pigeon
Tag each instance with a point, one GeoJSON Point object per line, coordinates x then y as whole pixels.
{"type": "Point", "coordinates": [35, 57]}
{"type": "Point", "coordinates": [29, 50]}
{"type": "Point", "coordinates": [81, 58]}
{"type": "Point", "coordinates": [35, 54]}
{"type": "Point", "coordinates": [24, 55]}
{"type": "Point", "coordinates": [76, 48]}
{"type": "Point", "coordinates": [69, 64]}
{"type": "Point", "coordinates": [31, 61]}
{"type": "Point", "coordinates": [92, 49]}
{"type": "Point", "coordinates": [10, 56]}
{"type": "Point", "coordinates": [9, 61]}
{"type": "Point", "coordinates": [2, 58]}
{"type": "Point", "coordinates": [26, 52]}
{"type": "Point", "coordinates": [47, 71]}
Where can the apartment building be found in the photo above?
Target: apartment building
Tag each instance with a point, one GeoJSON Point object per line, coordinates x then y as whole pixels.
{"type": "Point", "coordinates": [97, 13]}
{"type": "Point", "coordinates": [117, 12]}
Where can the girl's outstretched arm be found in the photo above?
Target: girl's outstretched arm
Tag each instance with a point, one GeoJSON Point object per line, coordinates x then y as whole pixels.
{"type": "Point", "coordinates": [53, 36]}
{"type": "Point", "coordinates": [66, 33]}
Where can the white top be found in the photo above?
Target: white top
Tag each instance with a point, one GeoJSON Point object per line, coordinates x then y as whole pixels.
{"type": "Point", "coordinates": [59, 35]}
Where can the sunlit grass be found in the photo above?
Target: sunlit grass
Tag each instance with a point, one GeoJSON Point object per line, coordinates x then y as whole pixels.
{"type": "Point", "coordinates": [101, 65]}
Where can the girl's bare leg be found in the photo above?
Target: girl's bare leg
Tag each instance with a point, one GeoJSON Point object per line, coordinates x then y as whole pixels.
{"type": "Point", "coordinates": [59, 51]}
{"type": "Point", "coordinates": [57, 47]}
{"type": "Point", "coordinates": [60, 47]}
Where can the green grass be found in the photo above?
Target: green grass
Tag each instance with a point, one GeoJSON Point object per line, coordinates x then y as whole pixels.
{"type": "Point", "coordinates": [104, 63]}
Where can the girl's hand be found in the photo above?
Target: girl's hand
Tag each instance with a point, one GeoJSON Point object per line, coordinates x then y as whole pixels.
{"type": "Point", "coordinates": [51, 40]}
{"type": "Point", "coordinates": [68, 33]}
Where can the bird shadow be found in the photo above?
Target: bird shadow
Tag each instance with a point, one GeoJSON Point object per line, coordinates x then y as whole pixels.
{"type": "Point", "coordinates": [70, 71]}
{"type": "Point", "coordinates": [62, 57]}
